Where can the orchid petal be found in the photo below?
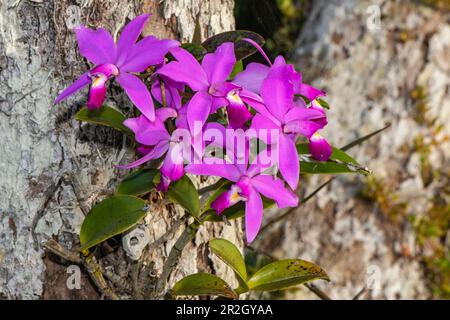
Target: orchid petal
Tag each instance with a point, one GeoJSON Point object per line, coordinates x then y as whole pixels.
{"type": "Point", "coordinates": [147, 52]}
{"type": "Point", "coordinates": [310, 92]}
{"type": "Point", "coordinates": [172, 92]}
{"type": "Point", "coordinates": [147, 132]}
{"type": "Point", "coordinates": [186, 70]}
{"type": "Point", "coordinates": [97, 93]}
{"type": "Point", "coordinates": [264, 128]}
{"type": "Point", "coordinates": [256, 102]}
{"type": "Point", "coordinates": [156, 152]}
{"type": "Point", "coordinates": [198, 111]}
{"type": "Point", "coordinates": [165, 113]}
{"type": "Point", "coordinates": [128, 38]}
{"type": "Point", "coordinates": [253, 215]}
{"type": "Point", "coordinates": [278, 96]}
{"type": "Point", "coordinates": [95, 45]}
{"type": "Point", "coordinates": [218, 65]}
{"type": "Point", "coordinates": [252, 77]}
{"type": "Point", "coordinates": [226, 199]}
{"type": "Point", "coordinates": [217, 103]}
{"type": "Point", "coordinates": [227, 171]}
{"type": "Point", "coordinates": [79, 84]}
{"type": "Point", "coordinates": [288, 161]}
{"type": "Point", "coordinates": [274, 188]}
{"type": "Point", "coordinates": [173, 164]}
{"type": "Point", "coordinates": [319, 147]}
{"type": "Point", "coordinates": [138, 94]}
{"type": "Point", "coordinates": [238, 113]}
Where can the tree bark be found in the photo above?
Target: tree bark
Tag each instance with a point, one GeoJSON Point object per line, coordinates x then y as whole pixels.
{"type": "Point", "coordinates": [54, 169]}
{"type": "Point", "coordinates": [371, 77]}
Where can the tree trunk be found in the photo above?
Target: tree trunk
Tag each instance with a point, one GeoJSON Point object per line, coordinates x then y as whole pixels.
{"type": "Point", "coordinates": [358, 229]}
{"type": "Point", "coordinates": [54, 169]}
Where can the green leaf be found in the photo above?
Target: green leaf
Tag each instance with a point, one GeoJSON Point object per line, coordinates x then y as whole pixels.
{"type": "Point", "coordinates": [185, 194]}
{"type": "Point", "coordinates": [339, 162]}
{"type": "Point", "coordinates": [242, 49]}
{"type": "Point", "coordinates": [284, 274]}
{"type": "Point", "coordinates": [105, 116]}
{"type": "Point", "coordinates": [329, 167]}
{"type": "Point", "coordinates": [337, 154]}
{"type": "Point", "coordinates": [203, 284]}
{"type": "Point", "coordinates": [138, 183]}
{"type": "Point", "coordinates": [197, 50]}
{"type": "Point", "coordinates": [110, 217]}
{"type": "Point", "coordinates": [230, 254]}
{"type": "Point", "coordinates": [238, 67]}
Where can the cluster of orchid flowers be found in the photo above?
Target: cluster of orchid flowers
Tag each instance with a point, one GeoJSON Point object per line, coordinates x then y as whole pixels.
{"type": "Point", "coordinates": [194, 97]}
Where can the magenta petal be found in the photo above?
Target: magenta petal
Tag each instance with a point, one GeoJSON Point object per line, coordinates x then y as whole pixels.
{"type": "Point", "coordinates": [227, 171]}
{"type": "Point", "coordinates": [217, 103]}
{"type": "Point", "coordinates": [288, 161]}
{"type": "Point", "coordinates": [96, 45]}
{"type": "Point", "coordinates": [237, 111]}
{"type": "Point", "coordinates": [198, 111]}
{"type": "Point", "coordinates": [186, 70]}
{"type": "Point", "coordinates": [147, 132]}
{"type": "Point", "coordinates": [252, 77]}
{"type": "Point", "coordinates": [226, 199]}
{"type": "Point", "coordinates": [264, 127]}
{"type": "Point", "coordinates": [310, 92]}
{"type": "Point", "coordinates": [97, 93]}
{"type": "Point", "coordinates": [138, 94]}
{"type": "Point", "coordinates": [155, 153]}
{"type": "Point", "coordinates": [147, 52]}
{"type": "Point", "coordinates": [79, 84]}
{"type": "Point", "coordinates": [128, 37]}
{"type": "Point", "coordinates": [165, 113]}
{"type": "Point", "coordinates": [172, 92]}
{"type": "Point", "coordinates": [305, 121]}
{"type": "Point", "coordinates": [274, 188]}
{"type": "Point", "coordinates": [163, 184]}
{"type": "Point", "coordinates": [278, 96]}
{"type": "Point", "coordinates": [173, 163]}
{"type": "Point", "coordinates": [319, 147]}
{"type": "Point", "coordinates": [218, 65]}
{"type": "Point", "coordinates": [253, 215]}
{"type": "Point", "coordinates": [143, 150]}
{"type": "Point", "coordinates": [256, 102]}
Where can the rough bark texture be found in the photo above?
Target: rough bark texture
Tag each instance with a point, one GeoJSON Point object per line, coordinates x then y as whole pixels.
{"type": "Point", "coordinates": [372, 78]}
{"type": "Point", "coordinates": [53, 169]}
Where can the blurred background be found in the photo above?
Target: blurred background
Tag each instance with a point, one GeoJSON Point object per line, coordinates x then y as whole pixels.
{"type": "Point", "coordinates": [381, 62]}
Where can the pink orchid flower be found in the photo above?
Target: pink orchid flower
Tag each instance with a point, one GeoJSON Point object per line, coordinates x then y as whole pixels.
{"type": "Point", "coordinates": [119, 61]}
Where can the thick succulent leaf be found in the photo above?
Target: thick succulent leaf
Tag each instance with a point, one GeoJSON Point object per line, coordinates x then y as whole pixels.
{"type": "Point", "coordinates": [284, 274]}
{"type": "Point", "coordinates": [242, 49]}
{"type": "Point", "coordinates": [110, 217]}
{"type": "Point", "coordinates": [185, 194]}
{"type": "Point", "coordinates": [105, 116]}
{"type": "Point", "coordinates": [339, 162]}
{"type": "Point", "coordinates": [231, 255]}
{"type": "Point", "coordinates": [203, 284]}
{"type": "Point", "coordinates": [139, 182]}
